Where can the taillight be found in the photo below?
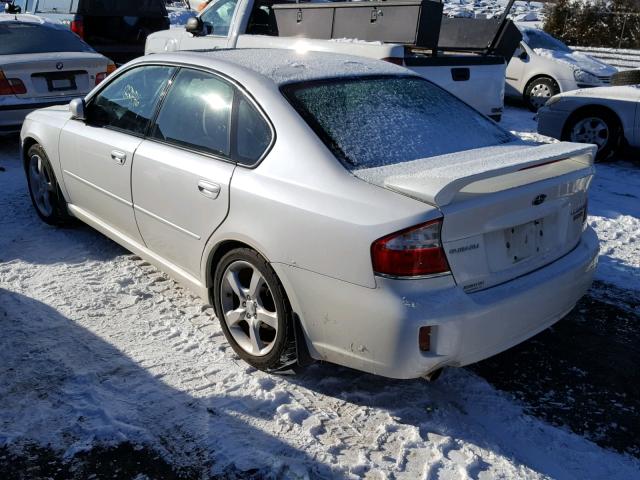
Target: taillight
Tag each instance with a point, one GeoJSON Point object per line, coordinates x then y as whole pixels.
{"type": "Point", "coordinates": [412, 252]}
{"type": "Point", "coordinates": [11, 86]}
{"type": "Point", "coordinates": [394, 60]}
{"type": "Point", "coordinates": [77, 26]}
{"type": "Point", "coordinates": [102, 75]}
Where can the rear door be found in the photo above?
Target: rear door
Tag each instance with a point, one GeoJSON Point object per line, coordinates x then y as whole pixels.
{"type": "Point", "coordinates": [97, 155]}
{"type": "Point", "coordinates": [181, 173]}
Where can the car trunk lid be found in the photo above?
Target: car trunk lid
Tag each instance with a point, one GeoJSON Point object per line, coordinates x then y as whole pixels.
{"type": "Point", "coordinates": [55, 74]}
{"type": "Point", "coordinates": [508, 210]}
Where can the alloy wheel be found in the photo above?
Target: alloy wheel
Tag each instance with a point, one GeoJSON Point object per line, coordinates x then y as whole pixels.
{"type": "Point", "coordinates": [248, 308]}
{"type": "Point", "coordinates": [591, 130]}
{"type": "Point", "coordinates": [41, 185]}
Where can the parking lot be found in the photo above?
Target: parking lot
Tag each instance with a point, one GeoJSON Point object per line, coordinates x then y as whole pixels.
{"type": "Point", "coordinates": [104, 360]}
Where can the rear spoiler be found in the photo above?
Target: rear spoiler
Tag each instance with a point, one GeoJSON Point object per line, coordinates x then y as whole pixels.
{"type": "Point", "coordinates": [438, 180]}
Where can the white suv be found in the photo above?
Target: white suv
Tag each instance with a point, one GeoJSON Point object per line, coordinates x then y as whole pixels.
{"type": "Point", "coordinates": [543, 66]}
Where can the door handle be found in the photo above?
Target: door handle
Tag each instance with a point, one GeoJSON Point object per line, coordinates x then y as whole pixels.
{"type": "Point", "coordinates": [118, 157]}
{"type": "Point", "coordinates": [209, 189]}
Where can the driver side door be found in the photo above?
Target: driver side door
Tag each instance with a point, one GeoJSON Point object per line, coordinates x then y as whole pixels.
{"type": "Point", "coordinates": [97, 154]}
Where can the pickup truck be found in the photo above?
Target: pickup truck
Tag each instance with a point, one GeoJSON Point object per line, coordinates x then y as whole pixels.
{"type": "Point", "coordinates": [476, 78]}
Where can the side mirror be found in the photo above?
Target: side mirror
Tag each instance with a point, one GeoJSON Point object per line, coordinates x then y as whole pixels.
{"type": "Point", "coordinates": [76, 107]}
{"type": "Point", "coordinates": [11, 8]}
{"type": "Point", "coordinates": [195, 26]}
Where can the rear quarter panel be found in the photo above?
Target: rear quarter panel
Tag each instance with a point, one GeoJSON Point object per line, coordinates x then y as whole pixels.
{"type": "Point", "coordinates": [302, 208]}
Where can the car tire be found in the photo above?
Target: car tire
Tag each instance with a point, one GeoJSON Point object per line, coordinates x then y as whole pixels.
{"type": "Point", "coordinates": [538, 91]}
{"type": "Point", "coordinates": [595, 126]}
{"type": "Point", "coordinates": [44, 190]}
{"type": "Point", "coordinates": [626, 77]}
{"type": "Point", "coordinates": [243, 300]}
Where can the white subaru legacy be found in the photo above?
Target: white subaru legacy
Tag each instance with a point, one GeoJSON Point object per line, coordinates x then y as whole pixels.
{"type": "Point", "coordinates": [42, 64]}
{"type": "Point", "coordinates": [329, 207]}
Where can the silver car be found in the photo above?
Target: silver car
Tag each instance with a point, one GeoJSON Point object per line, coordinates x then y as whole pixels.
{"type": "Point", "coordinates": [41, 64]}
{"type": "Point", "coordinates": [329, 207]}
{"type": "Point", "coordinates": [607, 117]}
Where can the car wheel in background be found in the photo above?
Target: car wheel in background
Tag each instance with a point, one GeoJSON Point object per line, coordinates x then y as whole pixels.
{"type": "Point", "coordinates": [45, 193]}
{"type": "Point", "coordinates": [626, 77]}
{"type": "Point", "coordinates": [254, 312]}
{"type": "Point", "coordinates": [538, 91]}
{"type": "Point", "coordinates": [598, 127]}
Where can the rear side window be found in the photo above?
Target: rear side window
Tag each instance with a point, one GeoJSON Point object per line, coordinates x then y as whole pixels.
{"type": "Point", "coordinates": [375, 121]}
{"type": "Point", "coordinates": [197, 113]}
{"type": "Point", "coordinates": [19, 37]}
{"type": "Point", "coordinates": [55, 6]}
{"type": "Point", "coordinates": [253, 133]}
{"type": "Point", "coordinates": [129, 101]}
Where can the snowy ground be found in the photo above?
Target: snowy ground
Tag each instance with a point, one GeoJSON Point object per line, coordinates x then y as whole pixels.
{"type": "Point", "coordinates": [100, 348]}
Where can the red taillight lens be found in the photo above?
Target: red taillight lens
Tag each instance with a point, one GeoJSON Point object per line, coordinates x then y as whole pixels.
{"type": "Point", "coordinates": [11, 86]}
{"type": "Point", "coordinates": [101, 76]}
{"type": "Point", "coordinates": [412, 252]}
{"type": "Point", "coordinates": [77, 27]}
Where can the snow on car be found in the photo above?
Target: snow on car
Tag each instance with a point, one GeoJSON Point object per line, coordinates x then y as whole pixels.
{"type": "Point", "coordinates": [42, 64]}
{"type": "Point", "coordinates": [295, 193]}
{"type": "Point", "coordinates": [607, 117]}
{"type": "Point", "coordinates": [543, 66]}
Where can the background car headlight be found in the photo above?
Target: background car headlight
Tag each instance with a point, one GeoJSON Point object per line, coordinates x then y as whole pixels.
{"type": "Point", "coordinates": [582, 76]}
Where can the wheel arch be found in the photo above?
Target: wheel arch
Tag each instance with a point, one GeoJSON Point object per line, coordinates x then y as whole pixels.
{"type": "Point", "coordinates": [591, 109]}
{"type": "Point", "coordinates": [220, 249]}
{"type": "Point", "coordinates": [27, 143]}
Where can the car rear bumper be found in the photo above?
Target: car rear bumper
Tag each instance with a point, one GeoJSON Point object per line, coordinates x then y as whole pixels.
{"type": "Point", "coordinates": [12, 115]}
{"type": "Point", "coordinates": [376, 330]}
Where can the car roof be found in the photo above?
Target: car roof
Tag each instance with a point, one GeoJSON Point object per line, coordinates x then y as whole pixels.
{"type": "Point", "coordinates": [287, 66]}
{"type": "Point", "coordinates": [32, 19]}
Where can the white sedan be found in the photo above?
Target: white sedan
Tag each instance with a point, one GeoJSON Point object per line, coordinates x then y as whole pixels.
{"type": "Point", "coordinates": [329, 207]}
{"type": "Point", "coordinates": [41, 64]}
{"type": "Point", "coordinates": [607, 117]}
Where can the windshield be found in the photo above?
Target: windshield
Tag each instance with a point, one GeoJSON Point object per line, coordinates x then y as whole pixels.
{"type": "Point", "coordinates": [55, 6]}
{"type": "Point", "coordinates": [19, 38]}
{"type": "Point", "coordinates": [539, 39]}
{"type": "Point", "coordinates": [375, 121]}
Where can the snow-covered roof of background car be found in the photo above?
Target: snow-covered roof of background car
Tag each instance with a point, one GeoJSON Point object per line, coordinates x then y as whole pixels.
{"type": "Point", "coordinates": [288, 66]}
{"type": "Point", "coordinates": [26, 18]}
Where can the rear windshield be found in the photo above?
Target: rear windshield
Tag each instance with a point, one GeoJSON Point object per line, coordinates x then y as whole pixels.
{"type": "Point", "coordinates": [134, 8]}
{"type": "Point", "coordinates": [18, 38]}
{"type": "Point", "coordinates": [371, 122]}
{"type": "Point", "coordinates": [56, 6]}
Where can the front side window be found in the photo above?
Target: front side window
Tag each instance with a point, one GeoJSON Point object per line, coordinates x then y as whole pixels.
{"type": "Point", "coordinates": [129, 101]}
{"type": "Point", "coordinates": [217, 18]}
{"type": "Point", "coordinates": [376, 121]}
{"type": "Point", "coordinates": [253, 134]}
{"type": "Point", "coordinates": [196, 113]}
{"type": "Point", "coordinates": [21, 38]}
